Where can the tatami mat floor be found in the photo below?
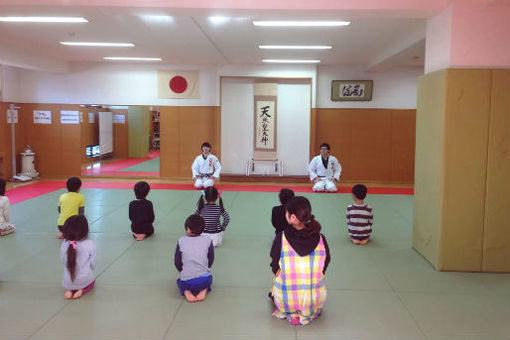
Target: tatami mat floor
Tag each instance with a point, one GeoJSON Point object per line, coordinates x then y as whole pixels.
{"type": "Point", "coordinates": [384, 290]}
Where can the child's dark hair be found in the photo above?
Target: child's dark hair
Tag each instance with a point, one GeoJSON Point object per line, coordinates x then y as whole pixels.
{"type": "Point", "coordinates": [360, 191]}
{"type": "Point", "coordinates": [73, 184]}
{"type": "Point", "coordinates": [206, 144]}
{"type": "Point", "coordinates": [325, 145]}
{"type": "Point", "coordinates": [76, 228]}
{"type": "Point", "coordinates": [210, 195]}
{"type": "Point", "coordinates": [300, 206]}
{"type": "Point", "coordinates": [195, 223]}
{"type": "Point", "coordinates": [142, 189]}
{"type": "Point", "coordinates": [286, 195]}
{"type": "Point", "coordinates": [3, 184]}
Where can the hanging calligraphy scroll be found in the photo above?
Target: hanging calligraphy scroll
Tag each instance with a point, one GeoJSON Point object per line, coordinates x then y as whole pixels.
{"type": "Point", "coordinates": [265, 103]}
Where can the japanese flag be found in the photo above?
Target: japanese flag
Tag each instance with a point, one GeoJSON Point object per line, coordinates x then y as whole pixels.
{"type": "Point", "coordinates": [178, 84]}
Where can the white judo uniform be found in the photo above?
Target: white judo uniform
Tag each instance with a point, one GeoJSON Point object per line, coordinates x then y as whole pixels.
{"type": "Point", "coordinates": [326, 175]}
{"type": "Point", "coordinates": [205, 171]}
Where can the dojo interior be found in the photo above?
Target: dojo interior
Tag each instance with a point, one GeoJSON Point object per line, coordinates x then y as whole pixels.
{"type": "Point", "coordinates": [432, 145]}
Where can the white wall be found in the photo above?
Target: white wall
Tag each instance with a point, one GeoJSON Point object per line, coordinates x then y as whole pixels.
{"type": "Point", "coordinates": [106, 83]}
{"type": "Point", "coordinates": [293, 122]}
{"type": "Point", "coordinates": [10, 83]}
{"type": "Point", "coordinates": [273, 71]}
{"type": "Point", "coordinates": [393, 89]}
{"type": "Point", "coordinates": [136, 84]}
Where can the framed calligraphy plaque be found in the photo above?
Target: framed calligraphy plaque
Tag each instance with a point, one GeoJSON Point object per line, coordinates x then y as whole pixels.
{"type": "Point", "coordinates": [265, 123]}
{"type": "Point", "coordinates": [351, 90]}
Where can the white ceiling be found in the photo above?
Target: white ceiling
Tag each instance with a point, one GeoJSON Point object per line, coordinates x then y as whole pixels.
{"type": "Point", "coordinates": [191, 38]}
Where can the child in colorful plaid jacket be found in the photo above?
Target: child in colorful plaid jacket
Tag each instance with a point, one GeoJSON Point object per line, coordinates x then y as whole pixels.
{"type": "Point", "coordinates": [300, 256]}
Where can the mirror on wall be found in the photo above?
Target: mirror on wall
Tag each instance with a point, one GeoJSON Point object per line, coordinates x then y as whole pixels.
{"type": "Point", "coordinates": [120, 141]}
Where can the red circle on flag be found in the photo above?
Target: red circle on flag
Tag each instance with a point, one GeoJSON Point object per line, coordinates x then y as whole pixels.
{"type": "Point", "coordinates": [178, 84]}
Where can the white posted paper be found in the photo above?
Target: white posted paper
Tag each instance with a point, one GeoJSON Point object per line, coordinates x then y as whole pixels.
{"type": "Point", "coordinates": [42, 117]}
{"type": "Point", "coordinates": [70, 117]}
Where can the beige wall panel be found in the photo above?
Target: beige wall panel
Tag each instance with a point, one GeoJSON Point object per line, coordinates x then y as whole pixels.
{"type": "Point", "coordinates": [217, 132]}
{"type": "Point", "coordinates": [70, 145]}
{"type": "Point", "coordinates": [334, 128]}
{"type": "Point", "coordinates": [5, 143]}
{"type": "Point", "coordinates": [45, 139]}
{"type": "Point", "coordinates": [89, 132]}
{"type": "Point", "coordinates": [169, 141]}
{"type": "Point", "coordinates": [197, 125]}
{"type": "Point", "coordinates": [138, 131]}
{"type": "Point", "coordinates": [465, 163]}
{"type": "Point", "coordinates": [371, 144]}
{"type": "Point", "coordinates": [429, 165]}
{"type": "Point", "coordinates": [313, 133]}
{"type": "Point", "coordinates": [403, 128]}
{"type": "Point", "coordinates": [121, 136]}
{"type": "Point", "coordinates": [496, 240]}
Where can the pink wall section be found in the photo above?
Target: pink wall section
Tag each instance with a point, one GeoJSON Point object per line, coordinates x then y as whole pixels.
{"type": "Point", "coordinates": [479, 34]}
{"type": "Point", "coordinates": [469, 33]}
{"type": "Point", "coordinates": [427, 6]}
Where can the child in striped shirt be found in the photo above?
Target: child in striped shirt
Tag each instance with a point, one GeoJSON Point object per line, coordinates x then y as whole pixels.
{"type": "Point", "coordinates": [359, 216]}
{"type": "Point", "coordinates": [211, 213]}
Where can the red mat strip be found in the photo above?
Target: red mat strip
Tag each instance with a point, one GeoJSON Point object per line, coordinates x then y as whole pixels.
{"type": "Point", "coordinates": [29, 191]}
{"type": "Point", "coordinates": [113, 168]}
{"type": "Point", "coordinates": [26, 192]}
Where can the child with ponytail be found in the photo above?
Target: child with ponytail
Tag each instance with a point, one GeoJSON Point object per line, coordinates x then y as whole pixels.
{"type": "Point", "coordinates": [211, 213]}
{"type": "Point", "coordinates": [300, 256]}
{"type": "Point", "coordinates": [78, 254]}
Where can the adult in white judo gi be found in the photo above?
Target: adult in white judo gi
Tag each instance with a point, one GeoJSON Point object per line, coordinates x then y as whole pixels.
{"type": "Point", "coordinates": [324, 170]}
{"type": "Point", "coordinates": [206, 168]}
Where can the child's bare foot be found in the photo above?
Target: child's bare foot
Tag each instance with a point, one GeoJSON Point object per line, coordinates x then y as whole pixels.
{"type": "Point", "coordinates": [140, 237]}
{"type": "Point", "coordinates": [68, 295]}
{"type": "Point", "coordinates": [60, 235]}
{"type": "Point", "coordinates": [189, 296]}
{"type": "Point", "coordinates": [201, 296]}
{"type": "Point", "coordinates": [78, 294]}
{"type": "Point", "coordinates": [363, 242]}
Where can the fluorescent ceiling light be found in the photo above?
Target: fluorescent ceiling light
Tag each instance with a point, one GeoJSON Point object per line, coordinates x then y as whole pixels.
{"type": "Point", "coordinates": [217, 20]}
{"type": "Point", "coordinates": [295, 47]}
{"type": "Point", "coordinates": [44, 19]}
{"type": "Point", "coordinates": [132, 59]}
{"type": "Point", "coordinates": [99, 44]}
{"type": "Point", "coordinates": [301, 23]}
{"type": "Point", "coordinates": [292, 61]}
{"type": "Point", "coordinates": [157, 19]}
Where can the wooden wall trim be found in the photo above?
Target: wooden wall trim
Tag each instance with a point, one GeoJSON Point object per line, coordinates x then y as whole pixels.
{"type": "Point", "coordinates": [371, 144]}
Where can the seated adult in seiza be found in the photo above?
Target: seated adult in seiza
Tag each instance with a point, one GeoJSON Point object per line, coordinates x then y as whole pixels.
{"type": "Point", "coordinates": [324, 170]}
{"type": "Point", "coordinates": [206, 168]}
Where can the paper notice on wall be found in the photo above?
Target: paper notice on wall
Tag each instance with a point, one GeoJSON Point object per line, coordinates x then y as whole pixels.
{"type": "Point", "coordinates": [42, 117]}
{"type": "Point", "coordinates": [91, 117]}
{"type": "Point", "coordinates": [12, 116]}
{"type": "Point", "coordinates": [69, 117]}
{"type": "Point", "coordinates": [119, 119]}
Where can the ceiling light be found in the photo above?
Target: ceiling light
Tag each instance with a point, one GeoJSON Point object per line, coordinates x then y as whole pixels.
{"type": "Point", "coordinates": [294, 47]}
{"type": "Point", "coordinates": [99, 44]}
{"type": "Point", "coordinates": [44, 19]}
{"type": "Point", "coordinates": [132, 59]}
{"type": "Point", "coordinates": [292, 61]}
{"type": "Point", "coordinates": [157, 19]}
{"type": "Point", "coordinates": [301, 23]}
{"type": "Point", "coordinates": [217, 20]}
